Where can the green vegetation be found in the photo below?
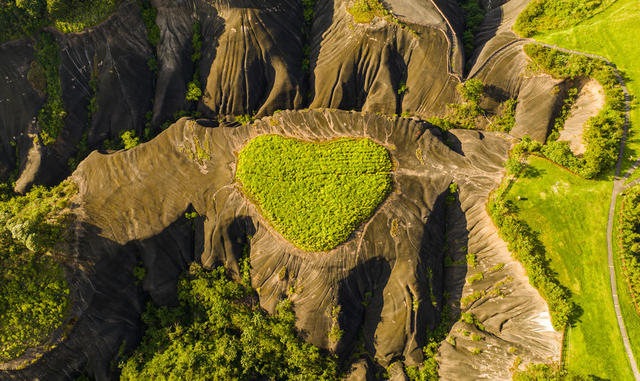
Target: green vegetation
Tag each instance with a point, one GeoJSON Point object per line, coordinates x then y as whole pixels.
{"type": "Point", "coordinates": [467, 300]}
{"type": "Point", "coordinates": [308, 12]}
{"type": "Point", "coordinates": [474, 278]}
{"type": "Point", "coordinates": [193, 87]}
{"type": "Point", "coordinates": [526, 248]}
{"type": "Point", "coordinates": [505, 119]}
{"type": "Point", "coordinates": [547, 372]}
{"type": "Point", "coordinates": [364, 11]}
{"type": "Point", "coordinates": [611, 34]}
{"type": "Point", "coordinates": [149, 14]}
{"type": "Point", "coordinates": [473, 16]}
{"type": "Point", "coordinates": [630, 241]}
{"type": "Point", "coordinates": [428, 371]}
{"type": "Point", "coordinates": [315, 194]}
{"type": "Point", "coordinates": [545, 15]}
{"type": "Point", "coordinates": [19, 18]}
{"type": "Point", "coordinates": [33, 289]}
{"type": "Point", "coordinates": [402, 88]}
{"type": "Point", "coordinates": [569, 217]}
{"type": "Point", "coordinates": [470, 318]}
{"type": "Point", "coordinates": [219, 332]}
{"type": "Point", "coordinates": [602, 132]}
{"type": "Point", "coordinates": [471, 259]}
{"type": "Point", "coordinates": [129, 139]}
{"type": "Point", "coordinates": [245, 119]}
{"type": "Point", "coordinates": [465, 114]}
{"type": "Point", "coordinates": [51, 116]}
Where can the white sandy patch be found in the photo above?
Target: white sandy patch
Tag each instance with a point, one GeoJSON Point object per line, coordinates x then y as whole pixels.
{"type": "Point", "coordinates": [589, 102]}
{"type": "Point", "coordinates": [543, 320]}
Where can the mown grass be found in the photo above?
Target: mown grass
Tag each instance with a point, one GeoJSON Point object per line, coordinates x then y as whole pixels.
{"type": "Point", "coordinates": [570, 214]}
{"type": "Point", "coordinates": [611, 34]}
{"type": "Point", "coordinates": [315, 194]}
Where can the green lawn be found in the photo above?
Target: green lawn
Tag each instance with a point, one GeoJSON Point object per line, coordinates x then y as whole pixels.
{"type": "Point", "coordinates": [612, 34]}
{"type": "Point", "coordinates": [570, 214]}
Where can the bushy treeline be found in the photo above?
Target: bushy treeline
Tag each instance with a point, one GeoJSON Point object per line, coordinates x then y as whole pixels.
{"type": "Point", "coordinates": [19, 18]}
{"type": "Point", "coordinates": [630, 241]}
{"type": "Point", "coordinates": [545, 15]}
{"type": "Point", "coordinates": [525, 246]}
{"type": "Point", "coordinates": [602, 132]}
{"type": "Point", "coordinates": [219, 332]}
{"type": "Point", "coordinates": [473, 16]}
{"type": "Point", "coordinates": [33, 290]}
{"type": "Point", "coordinates": [547, 372]}
{"type": "Point", "coordinates": [52, 114]}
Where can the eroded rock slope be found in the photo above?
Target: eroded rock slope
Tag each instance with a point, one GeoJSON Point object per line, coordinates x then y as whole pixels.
{"type": "Point", "coordinates": [389, 283]}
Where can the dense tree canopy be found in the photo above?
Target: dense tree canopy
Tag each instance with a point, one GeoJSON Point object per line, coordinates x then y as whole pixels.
{"type": "Point", "coordinates": [219, 332]}
{"type": "Point", "coordinates": [33, 290]}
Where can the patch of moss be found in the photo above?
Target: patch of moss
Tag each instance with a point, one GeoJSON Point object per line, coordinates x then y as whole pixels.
{"type": "Point", "coordinates": [315, 194]}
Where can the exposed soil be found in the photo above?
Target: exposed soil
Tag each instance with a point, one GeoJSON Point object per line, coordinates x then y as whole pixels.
{"type": "Point", "coordinates": [589, 101]}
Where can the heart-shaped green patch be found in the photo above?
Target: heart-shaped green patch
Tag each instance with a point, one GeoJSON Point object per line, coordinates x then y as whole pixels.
{"type": "Point", "coordinates": [315, 194]}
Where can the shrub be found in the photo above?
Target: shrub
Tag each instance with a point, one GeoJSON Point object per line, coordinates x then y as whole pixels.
{"type": "Point", "coordinates": [129, 139]}
{"type": "Point", "coordinates": [193, 91]}
{"type": "Point", "coordinates": [245, 119]}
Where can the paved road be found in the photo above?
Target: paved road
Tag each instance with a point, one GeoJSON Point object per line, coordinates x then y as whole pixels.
{"type": "Point", "coordinates": [618, 186]}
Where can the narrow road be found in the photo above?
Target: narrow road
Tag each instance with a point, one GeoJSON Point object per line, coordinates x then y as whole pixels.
{"type": "Point", "coordinates": [618, 186]}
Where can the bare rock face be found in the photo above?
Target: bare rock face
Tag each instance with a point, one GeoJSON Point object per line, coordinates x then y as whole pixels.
{"type": "Point", "coordinates": [20, 101]}
{"type": "Point", "coordinates": [390, 281]}
{"type": "Point", "coordinates": [386, 283]}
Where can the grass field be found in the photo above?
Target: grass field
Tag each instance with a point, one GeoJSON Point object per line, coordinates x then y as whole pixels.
{"type": "Point", "coordinates": [570, 214]}
{"type": "Point", "coordinates": [612, 34]}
